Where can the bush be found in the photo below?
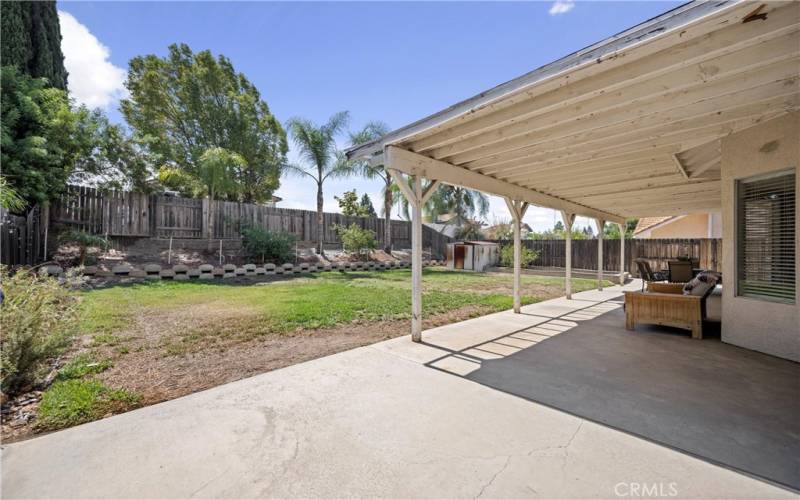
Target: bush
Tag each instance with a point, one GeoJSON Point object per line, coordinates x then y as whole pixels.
{"type": "Point", "coordinates": [527, 256]}
{"type": "Point", "coordinates": [38, 318]}
{"type": "Point", "coordinates": [269, 246]}
{"type": "Point", "coordinates": [84, 241]}
{"type": "Point", "coordinates": [356, 240]}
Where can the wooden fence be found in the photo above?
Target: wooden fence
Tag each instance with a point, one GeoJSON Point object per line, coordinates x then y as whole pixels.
{"type": "Point", "coordinates": [22, 238]}
{"type": "Point", "coordinates": [135, 214]}
{"type": "Point", "coordinates": [552, 253]}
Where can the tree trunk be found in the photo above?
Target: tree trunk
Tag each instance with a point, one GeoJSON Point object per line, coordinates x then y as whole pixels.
{"type": "Point", "coordinates": [387, 211]}
{"type": "Point", "coordinates": [320, 220]}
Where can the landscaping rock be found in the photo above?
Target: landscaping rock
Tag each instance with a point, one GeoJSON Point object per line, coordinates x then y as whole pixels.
{"type": "Point", "coordinates": [152, 269]}
{"type": "Point", "coordinates": [269, 267]}
{"type": "Point", "coordinates": [121, 270]}
{"type": "Point", "coordinates": [193, 273]}
{"type": "Point", "coordinates": [167, 274]}
{"type": "Point", "coordinates": [218, 272]}
{"type": "Point", "coordinates": [89, 270]}
{"type": "Point", "coordinates": [180, 269]}
{"type": "Point", "coordinates": [206, 268]}
{"type": "Point", "coordinates": [229, 268]}
{"type": "Point", "coordinates": [250, 268]}
{"type": "Point", "coordinates": [137, 273]}
{"type": "Point", "coordinates": [206, 276]}
{"type": "Point", "coordinates": [288, 268]}
{"type": "Point", "coordinates": [181, 277]}
{"type": "Point", "coordinates": [261, 271]}
{"type": "Point", "coordinates": [240, 271]}
{"type": "Point", "coordinates": [229, 275]}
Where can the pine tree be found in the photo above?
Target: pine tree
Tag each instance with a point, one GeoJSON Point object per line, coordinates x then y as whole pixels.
{"type": "Point", "coordinates": [32, 40]}
{"type": "Point", "coordinates": [366, 208]}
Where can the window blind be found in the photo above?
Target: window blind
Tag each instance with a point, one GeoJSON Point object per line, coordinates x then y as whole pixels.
{"type": "Point", "coordinates": [766, 247]}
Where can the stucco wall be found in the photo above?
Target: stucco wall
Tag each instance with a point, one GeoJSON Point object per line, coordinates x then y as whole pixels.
{"type": "Point", "coordinates": [690, 226]}
{"type": "Point", "coordinates": [768, 327]}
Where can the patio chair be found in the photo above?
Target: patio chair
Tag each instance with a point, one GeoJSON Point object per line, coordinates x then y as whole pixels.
{"type": "Point", "coordinates": [680, 271]}
{"type": "Point", "coordinates": [665, 304]}
{"type": "Point", "coordinates": [647, 274]}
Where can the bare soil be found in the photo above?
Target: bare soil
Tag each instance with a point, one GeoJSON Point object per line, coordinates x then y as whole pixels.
{"type": "Point", "coordinates": [148, 362]}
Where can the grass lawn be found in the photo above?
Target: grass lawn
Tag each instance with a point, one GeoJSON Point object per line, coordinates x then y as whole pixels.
{"type": "Point", "coordinates": [159, 340]}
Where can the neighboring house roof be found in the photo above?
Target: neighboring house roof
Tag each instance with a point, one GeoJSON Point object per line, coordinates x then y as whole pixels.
{"type": "Point", "coordinates": [491, 231]}
{"type": "Point", "coordinates": [446, 229]}
{"type": "Point", "coordinates": [646, 223]}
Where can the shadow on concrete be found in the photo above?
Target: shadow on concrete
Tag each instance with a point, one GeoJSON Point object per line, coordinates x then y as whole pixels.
{"type": "Point", "coordinates": [722, 403]}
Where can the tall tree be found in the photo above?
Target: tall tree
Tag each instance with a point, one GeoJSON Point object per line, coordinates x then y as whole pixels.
{"type": "Point", "coordinates": [372, 131]}
{"type": "Point", "coordinates": [365, 206]}
{"type": "Point", "coordinates": [186, 103]}
{"type": "Point", "coordinates": [31, 38]}
{"type": "Point", "coordinates": [43, 138]}
{"type": "Point", "coordinates": [216, 173]}
{"type": "Point", "coordinates": [462, 203]}
{"type": "Point", "coordinates": [317, 147]}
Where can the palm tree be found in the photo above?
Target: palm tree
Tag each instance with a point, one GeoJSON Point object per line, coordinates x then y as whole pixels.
{"type": "Point", "coordinates": [371, 131]}
{"type": "Point", "coordinates": [317, 147]}
{"type": "Point", "coordinates": [464, 204]}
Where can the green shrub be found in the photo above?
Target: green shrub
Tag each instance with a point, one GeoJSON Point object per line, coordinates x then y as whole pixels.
{"type": "Point", "coordinates": [527, 256]}
{"type": "Point", "coordinates": [37, 321]}
{"type": "Point", "coordinates": [356, 240]}
{"type": "Point", "coordinates": [84, 241]}
{"type": "Point", "coordinates": [73, 402]}
{"type": "Point", "coordinates": [269, 246]}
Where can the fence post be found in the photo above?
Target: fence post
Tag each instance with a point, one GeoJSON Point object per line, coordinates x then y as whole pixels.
{"type": "Point", "coordinates": [206, 224]}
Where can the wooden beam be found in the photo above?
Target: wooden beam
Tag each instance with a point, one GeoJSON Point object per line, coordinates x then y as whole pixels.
{"type": "Point", "coordinates": [655, 68]}
{"type": "Point", "coordinates": [569, 220]}
{"type": "Point", "coordinates": [681, 168]}
{"type": "Point", "coordinates": [622, 230]}
{"type": "Point", "coordinates": [712, 127]}
{"type": "Point", "coordinates": [698, 94]}
{"type": "Point", "coordinates": [601, 226]}
{"type": "Point", "coordinates": [416, 164]}
{"type": "Point", "coordinates": [517, 209]}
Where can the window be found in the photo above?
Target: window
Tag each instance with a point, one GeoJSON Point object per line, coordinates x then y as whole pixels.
{"type": "Point", "coordinates": [765, 241]}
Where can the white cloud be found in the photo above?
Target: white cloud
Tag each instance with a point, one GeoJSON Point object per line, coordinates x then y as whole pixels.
{"type": "Point", "coordinates": [561, 7]}
{"type": "Point", "coordinates": [93, 80]}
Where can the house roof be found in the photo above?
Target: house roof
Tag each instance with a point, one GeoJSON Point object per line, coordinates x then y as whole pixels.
{"type": "Point", "coordinates": [628, 127]}
{"type": "Point", "coordinates": [646, 223]}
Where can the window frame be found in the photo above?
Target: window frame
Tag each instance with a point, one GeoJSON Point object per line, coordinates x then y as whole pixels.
{"type": "Point", "coordinates": [740, 228]}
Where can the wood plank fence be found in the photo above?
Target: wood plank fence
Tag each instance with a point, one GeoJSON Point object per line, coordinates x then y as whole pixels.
{"type": "Point", "coordinates": [22, 238]}
{"type": "Point", "coordinates": [125, 214]}
{"type": "Point", "coordinates": [552, 253]}
{"type": "Point", "coordinates": [136, 214]}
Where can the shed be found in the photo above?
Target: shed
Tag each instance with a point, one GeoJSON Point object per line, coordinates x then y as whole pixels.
{"type": "Point", "coordinates": [472, 255]}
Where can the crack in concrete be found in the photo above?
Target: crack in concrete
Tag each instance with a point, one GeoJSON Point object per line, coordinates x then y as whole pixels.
{"type": "Point", "coordinates": [505, 466]}
{"type": "Point", "coordinates": [560, 446]}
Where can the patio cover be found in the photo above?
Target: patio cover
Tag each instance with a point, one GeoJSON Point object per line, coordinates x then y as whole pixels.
{"type": "Point", "coordinates": [628, 127]}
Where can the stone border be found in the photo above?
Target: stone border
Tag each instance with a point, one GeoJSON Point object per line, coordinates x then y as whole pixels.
{"type": "Point", "coordinates": [181, 272]}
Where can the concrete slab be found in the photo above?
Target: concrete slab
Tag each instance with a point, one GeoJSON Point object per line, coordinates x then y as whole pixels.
{"type": "Point", "coordinates": [371, 422]}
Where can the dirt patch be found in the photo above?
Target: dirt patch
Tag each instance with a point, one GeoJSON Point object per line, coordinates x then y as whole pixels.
{"type": "Point", "coordinates": [216, 352]}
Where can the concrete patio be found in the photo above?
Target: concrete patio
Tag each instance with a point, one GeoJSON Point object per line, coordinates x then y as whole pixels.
{"type": "Point", "coordinates": [559, 401]}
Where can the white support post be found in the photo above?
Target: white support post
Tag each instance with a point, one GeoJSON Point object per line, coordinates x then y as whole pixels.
{"type": "Point", "coordinates": [569, 220]}
{"type": "Point", "coordinates": [601, 224]}
{"type": "Point", "coordinates": [517, 209]}
{"type": "Point", "coordinates": [416, 197]}
{"type": "Point", "coordinates": [416, 262]}
{"type": "Point", "coordinates": [622, 228]}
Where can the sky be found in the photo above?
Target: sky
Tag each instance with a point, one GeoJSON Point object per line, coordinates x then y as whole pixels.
{"type": "Point", "coordinates": [394, 62]}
